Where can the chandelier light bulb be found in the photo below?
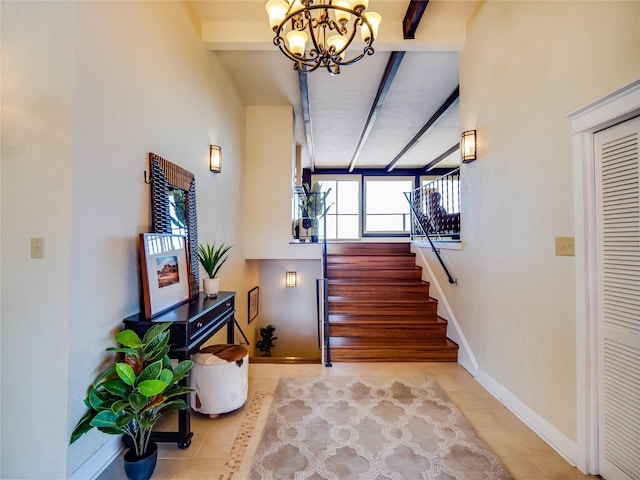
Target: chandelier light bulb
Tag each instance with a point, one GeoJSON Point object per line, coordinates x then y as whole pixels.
{"type": "Point", "coordinates": [297, 41]}
{"type": "Point", "coordinates": [374, 20]}
{"type": "Point", "coordinates": [339, 43]}
{"type": "Point", "coordinates": [277, 11]}
{"type": "Point", "coordinates": [342, 16]}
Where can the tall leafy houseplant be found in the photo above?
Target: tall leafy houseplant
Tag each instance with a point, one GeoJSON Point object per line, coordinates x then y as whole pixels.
{"type": "Point", "coordinates": [212, 258]}
{"type": "Point", "coordinates": [130, 397]}
{"type": "Point", "coordinates": [313, 205]}
{"type": "Point", "coordinates": [266, 344]}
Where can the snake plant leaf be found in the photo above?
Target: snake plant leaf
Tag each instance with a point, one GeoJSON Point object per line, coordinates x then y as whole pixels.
{"type": "Point", "coordinates": [106, 418]}
{"type": "Point", "coordinates": [116, 387]}
{"type": "Point", "coordinates": [126, 373]}
{"type": "Point", "coordinates": [151, 388]}
{"type": "Point", "coordinates": [151, 372]}
{"type": "Point", "coordinates": [129, 338]}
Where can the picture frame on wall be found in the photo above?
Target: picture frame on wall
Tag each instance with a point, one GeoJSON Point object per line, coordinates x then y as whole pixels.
{"type": "Point", "coordinates": [254, 303]}
{"type": "Point", "coordinates": [165, 272]}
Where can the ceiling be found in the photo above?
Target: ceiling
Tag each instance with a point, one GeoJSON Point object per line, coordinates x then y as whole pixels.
{"type": "Point", "coordinates": [413, 125]}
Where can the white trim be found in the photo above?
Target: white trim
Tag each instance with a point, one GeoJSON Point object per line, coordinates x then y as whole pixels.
{"type": "Point", "coordinates": [465, 355]}
{"type": "Point", "coordinates": [559, 442]}
{"type": "Point", "coordinates": [613, 108]}
{"type": "Point", "coordinates": [100, 460]}
{"type": "Point", "coordinates": [440, 244]}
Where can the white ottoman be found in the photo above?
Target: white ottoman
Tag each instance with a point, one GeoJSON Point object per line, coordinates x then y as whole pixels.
{"type": "Point", "coordinates": [220, 378]}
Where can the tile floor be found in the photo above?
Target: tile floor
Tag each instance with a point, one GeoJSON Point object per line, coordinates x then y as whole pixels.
{"type": "Point", "coordinates": [523, 452]}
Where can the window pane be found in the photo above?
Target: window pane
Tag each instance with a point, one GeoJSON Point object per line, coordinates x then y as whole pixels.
{"type": "Point", "coordinates": [348, 194]}
{"type": "Point", "coordinates": [348, 227]}
{"type": "Point", "coordinates": [385, 223]}
{"type": "Point", "coordinates": [387, 196]}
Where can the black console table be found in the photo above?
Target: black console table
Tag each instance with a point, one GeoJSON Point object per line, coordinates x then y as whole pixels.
{"type": "Point", "coordinates": [193, 324]}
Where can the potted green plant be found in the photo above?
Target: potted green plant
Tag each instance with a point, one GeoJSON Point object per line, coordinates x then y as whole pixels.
{"type": "Point", "coordinates": [129, 397]}
{"type": "Point", "coordinates": [313, 206]}
{"type": "Point", "coordinates": [211, 259]}
{"type": "Point", "coordinates": [266, 344]}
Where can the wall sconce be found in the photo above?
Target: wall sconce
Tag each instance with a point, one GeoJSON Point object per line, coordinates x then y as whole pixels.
{"type": "Point", "coordinates": [215, 159]}
{"type": "Point", "coordinates": [468, 146]}
{"type": "Point", "coordinates": [291, 279]}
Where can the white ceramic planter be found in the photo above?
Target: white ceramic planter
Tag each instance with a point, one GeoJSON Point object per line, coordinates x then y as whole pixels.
{"type": "Point", "coordinates": [211, 286]}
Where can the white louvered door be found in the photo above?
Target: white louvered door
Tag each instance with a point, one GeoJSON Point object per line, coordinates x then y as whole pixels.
{"type": "Point", "coordinates": [618, 235]}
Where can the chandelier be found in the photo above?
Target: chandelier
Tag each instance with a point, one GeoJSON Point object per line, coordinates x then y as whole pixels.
{"type": "Point", "coordinates": [318, 33]}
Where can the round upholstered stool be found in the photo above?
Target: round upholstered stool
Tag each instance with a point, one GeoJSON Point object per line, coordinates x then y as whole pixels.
{"type": "Point", "coordinates": [220, 378]}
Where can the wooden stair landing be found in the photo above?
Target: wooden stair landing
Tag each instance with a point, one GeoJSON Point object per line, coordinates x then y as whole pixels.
{"type": "Point", "coordinates": [379, 306]}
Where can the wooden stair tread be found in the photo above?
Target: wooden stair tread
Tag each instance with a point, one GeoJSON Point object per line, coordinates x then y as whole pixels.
{"type": "Point", "coordinates": [385, 319]}
{"type": "Point", "coordinates": [361, 342]}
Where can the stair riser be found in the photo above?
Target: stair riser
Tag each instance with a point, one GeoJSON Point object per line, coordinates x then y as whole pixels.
{"type": "Point", "coordinates": [388, 308]}
{"type": "Point", "coordinates": [377, 290]}
{"type": "Point", "coordinates": [446, 354]}
{"type": "Point", "coordinates": [374, 273]}
{"type": "Point", "coordinates": [374, 262]}
{"type": "Point", "coordinates": [433, 336]}
{"type": "Point", "coordinates": [396, 294]}
{"type": "Point", "coordinates": [367, 248]}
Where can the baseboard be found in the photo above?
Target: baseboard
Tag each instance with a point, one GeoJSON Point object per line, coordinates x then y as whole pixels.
{"type": "Point", "coordinates": [556, 440]}
{"type": "Point", "coordinates": [96, 464]}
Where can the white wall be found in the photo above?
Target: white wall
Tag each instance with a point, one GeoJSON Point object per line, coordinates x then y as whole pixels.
{"type": "Point", "coordinates": [88, 89]}
{"type": "Point", "coordinates": [292, 310]}
{"type": "Point", "coordinates": [269, 185]}
{"type": "Point", "coordinates": [524, 67]}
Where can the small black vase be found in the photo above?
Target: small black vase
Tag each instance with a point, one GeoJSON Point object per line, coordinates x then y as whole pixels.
{"type": "Point", "coordinates": [141, 468]}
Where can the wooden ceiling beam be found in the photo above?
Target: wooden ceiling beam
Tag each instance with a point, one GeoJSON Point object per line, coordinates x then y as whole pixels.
{"type": "Point", "coordinates": [434, 118]}
{"type": "Point", "coordinates": [306, 116]}
{"type": "Point", "coordinates": [412, 18]}
{"type": "Point", "coordinates": [395, 58]}
{"type": "Point", "coordinates": [432, 164]}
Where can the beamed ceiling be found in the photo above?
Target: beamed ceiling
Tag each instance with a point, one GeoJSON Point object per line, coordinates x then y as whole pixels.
{"type": "Point", "coordinates": [394, 111]}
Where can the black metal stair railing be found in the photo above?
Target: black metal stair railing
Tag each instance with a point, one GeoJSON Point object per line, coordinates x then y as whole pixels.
{"type": "Point", "coordinates": [435, 210]}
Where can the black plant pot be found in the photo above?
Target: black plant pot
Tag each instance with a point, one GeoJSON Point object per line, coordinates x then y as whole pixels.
{"type": "Point", "coordinates": [141, 468]}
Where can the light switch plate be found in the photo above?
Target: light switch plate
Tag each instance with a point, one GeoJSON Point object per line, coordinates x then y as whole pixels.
{"type": "Point", "coordinates": [565, 246]}
{"type": "Point", "coordinates": [37, 247]}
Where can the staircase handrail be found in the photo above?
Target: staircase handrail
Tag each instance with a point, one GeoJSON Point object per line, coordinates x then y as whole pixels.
{"type": "Point", "coordinates": [436, 251]}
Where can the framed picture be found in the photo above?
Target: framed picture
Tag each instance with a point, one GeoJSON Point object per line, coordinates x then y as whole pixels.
{"type": "Point", "coordinates": [254, 303]}
{"type": "Point", "coordinates": [165, 272]}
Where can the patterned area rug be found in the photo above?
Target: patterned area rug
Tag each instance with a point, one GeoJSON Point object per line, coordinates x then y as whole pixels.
{"type": "Point", "coordinates": [343, 428]}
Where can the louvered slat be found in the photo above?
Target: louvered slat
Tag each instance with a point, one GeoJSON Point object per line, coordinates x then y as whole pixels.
{"type": "Point", "coordinates": [619, 304]}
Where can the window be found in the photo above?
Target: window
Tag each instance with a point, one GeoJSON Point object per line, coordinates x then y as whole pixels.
{"type": "Point", "coordinates": [343, 219]}
{"type": "Point", "coordinates": [386, 208]}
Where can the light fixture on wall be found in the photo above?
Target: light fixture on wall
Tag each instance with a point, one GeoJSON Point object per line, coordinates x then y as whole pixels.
{"type": "Point", "coordinates": [291, 279]}
{"type": "Point", "coordinates": [468, 146]}
{"type": "Point", "coordinates": [317, 33]}
{"type": "Point", "coordinates": [215, 159]}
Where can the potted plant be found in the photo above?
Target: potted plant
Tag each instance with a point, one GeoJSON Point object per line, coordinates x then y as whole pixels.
{"type": "Point", "coordinates": [313, 206]}
{"type": "Point", "coordinates": [266, 344]}
{"type": "Point", "coordinates": [211, 259]}
{"type": "Point", "coordinates": [129, 397]}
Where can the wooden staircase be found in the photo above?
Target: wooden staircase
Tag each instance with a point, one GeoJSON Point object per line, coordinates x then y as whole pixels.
{"type": "Point", "coordinates": [380, 309]}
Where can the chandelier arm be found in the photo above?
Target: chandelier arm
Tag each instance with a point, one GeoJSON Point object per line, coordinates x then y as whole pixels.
{"type": "Point", "coordinates": [321, 54]}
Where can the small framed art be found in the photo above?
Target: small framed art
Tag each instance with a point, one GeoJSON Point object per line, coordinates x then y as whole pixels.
{"type": "Point", "coordinates": [254, 303]}
{"type": "Point", "coordinates": [165, 272]}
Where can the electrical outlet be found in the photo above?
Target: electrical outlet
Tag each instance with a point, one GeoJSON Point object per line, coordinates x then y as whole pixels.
{"type": "Point", "coordinates": [37, 247]}
{"type": "Point", "coordinates": [565, 246]}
